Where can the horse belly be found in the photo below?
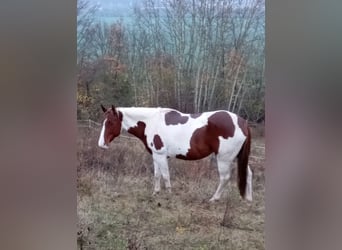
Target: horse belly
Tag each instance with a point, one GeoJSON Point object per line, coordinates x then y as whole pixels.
{"type": "Point", "coordinates": [177, 149]}
{"type": "Point", "coordinates": [177, 142]}
{"type": "Point", "coordinates": [190, 153]}
{"type": "Point", "coordinates": [183, 145]}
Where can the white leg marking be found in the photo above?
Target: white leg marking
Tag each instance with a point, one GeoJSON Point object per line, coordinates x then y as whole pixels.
{"type": "Point", "coordinates": [157, 175]}
{"type": "Point", "coordinates": [224, 168]}
{"type": "Point", "coordinates": [249, 187]}
{"type": "Point", "coordinates": [101, 142]}
{"type": "Point", "coordinates": [161, 162]}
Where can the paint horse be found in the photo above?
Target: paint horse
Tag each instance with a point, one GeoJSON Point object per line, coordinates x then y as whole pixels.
{"type": "Point", "coordinates": [168, 133]}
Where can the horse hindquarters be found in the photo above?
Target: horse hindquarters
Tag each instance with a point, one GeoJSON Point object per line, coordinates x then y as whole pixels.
{"type": "Point", "coordinates": [237, 147]}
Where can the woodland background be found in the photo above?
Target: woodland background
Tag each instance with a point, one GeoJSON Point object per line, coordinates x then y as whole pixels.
{"type": "Point", "coordinates": [190, 55]}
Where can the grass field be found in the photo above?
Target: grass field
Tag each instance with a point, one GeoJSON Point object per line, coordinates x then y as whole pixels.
{"type": "Point", "coordinates": [116, 208]}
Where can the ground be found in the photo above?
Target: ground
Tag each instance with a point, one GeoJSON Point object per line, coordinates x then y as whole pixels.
{"type": "Point", "coordinates": [116, 208]}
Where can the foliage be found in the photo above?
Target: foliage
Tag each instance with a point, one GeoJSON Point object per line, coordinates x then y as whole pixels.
{"type": "Point", "coordinates": [190, 55]}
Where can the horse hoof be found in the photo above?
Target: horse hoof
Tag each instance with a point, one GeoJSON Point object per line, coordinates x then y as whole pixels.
{"type": "Point", "coordinates": [212, 200]}
{"type": "Point", "coordinates": [250, 199]}
{"type": "Point", "coordinates": [155, 193]}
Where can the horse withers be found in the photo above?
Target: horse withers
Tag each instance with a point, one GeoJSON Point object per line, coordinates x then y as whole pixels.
{"type": "Point", "coordinates": [167, 133]}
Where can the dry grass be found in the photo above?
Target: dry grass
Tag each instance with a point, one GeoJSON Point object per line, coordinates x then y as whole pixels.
{"type": "Point", "coordinates": [116, 209]}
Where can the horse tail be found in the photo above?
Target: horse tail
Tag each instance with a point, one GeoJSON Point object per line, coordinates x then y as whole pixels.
{"type": "Point", "coordinates": [242, 159]}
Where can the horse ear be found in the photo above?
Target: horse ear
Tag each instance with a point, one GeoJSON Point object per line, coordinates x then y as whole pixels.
{"type": "Point", "coordinates": [114, 110]}
{"type": "Point", "coordinates": [103, 108]}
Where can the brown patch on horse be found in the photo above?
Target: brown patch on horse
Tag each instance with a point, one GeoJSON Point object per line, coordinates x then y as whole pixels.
{"type": "Point", "coordinates": [157, 142]}
{"type": "Point", "coordinates": [243, 125]}
{"type": "Point", "coordinates": [194, 116]}
{"type": "Point", "coordinates": [221, 124]}
{"type": "Point", "coordinates": [174, 118]}
{"type": "Point", "coordinates": [139, 131]}
{"type": "Point", "coordinates": [205, 140]}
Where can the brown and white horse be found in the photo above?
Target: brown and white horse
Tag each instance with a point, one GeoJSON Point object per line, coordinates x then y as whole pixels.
{"type": "Point", "coordinates": [167, 133]}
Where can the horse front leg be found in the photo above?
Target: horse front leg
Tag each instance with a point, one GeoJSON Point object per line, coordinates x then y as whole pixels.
{"type": "Point", "coordinates": [157, 175]}
{"type": "Point", "coordinates": [161, 161]}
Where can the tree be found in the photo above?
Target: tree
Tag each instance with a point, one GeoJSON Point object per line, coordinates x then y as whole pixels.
{"type": "Point", "coordinates": [190, 55]}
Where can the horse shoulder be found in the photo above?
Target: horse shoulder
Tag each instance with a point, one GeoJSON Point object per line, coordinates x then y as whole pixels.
{"type": "Point", "coordinates": [155, 134]}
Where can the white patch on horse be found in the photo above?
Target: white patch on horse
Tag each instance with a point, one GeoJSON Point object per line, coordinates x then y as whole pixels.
{"type": "Point", "coordinates": [101, 138]}
{"type": "Point", "coordinates": [131, 116]}
{"type": "Point", "coordinates": [176, 138]}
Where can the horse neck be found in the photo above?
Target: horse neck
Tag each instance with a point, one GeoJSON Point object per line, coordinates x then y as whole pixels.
{"type": "Point", "coordinates": [131, 116]}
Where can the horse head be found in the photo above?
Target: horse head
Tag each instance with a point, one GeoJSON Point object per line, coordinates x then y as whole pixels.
{"type": "Point", "coordinates": [111, 126]}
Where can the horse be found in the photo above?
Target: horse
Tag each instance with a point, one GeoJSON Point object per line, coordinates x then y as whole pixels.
{"type": "Point", "coordinates": [167, 132]}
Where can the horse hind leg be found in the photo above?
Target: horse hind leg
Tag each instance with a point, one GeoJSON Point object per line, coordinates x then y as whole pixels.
{"type": "Point", "coordinates": [224, 169]}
